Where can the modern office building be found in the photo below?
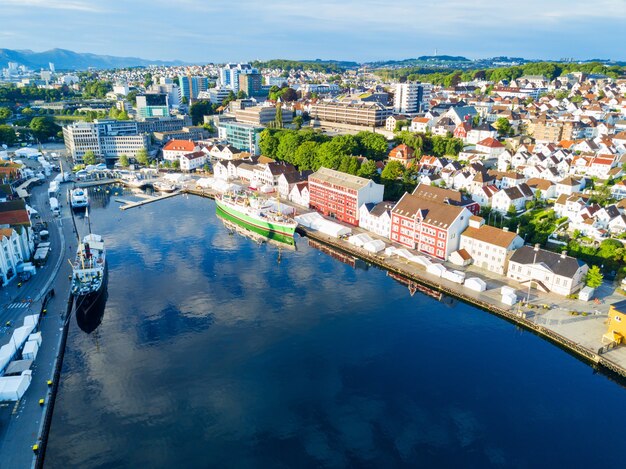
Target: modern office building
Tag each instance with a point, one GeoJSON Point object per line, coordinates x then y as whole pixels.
{"type": "Point", "coordinates": [167, 124]}
{"type": "Point", "coordinates": [353, 113]}
{"type": "Point", "coordinates": [106, 138]}
{"type": "Point", "coordinates": [152, 105]}
{"type": "Point", "coordinates": [229, 75]}
{"type": "Point", "coordinates": [260, 115]}
{"type": "Point", "coordinates": [244, 137]}
{"type": "Point", "coordinates": [192, 86]}
{"type": "Point", "coordinates": [251, 83]}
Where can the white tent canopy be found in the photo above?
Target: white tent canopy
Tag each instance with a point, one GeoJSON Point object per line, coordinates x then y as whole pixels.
{"type": "Point", "coordinates": [12, 388]}
{"type": "Point", "coordinates": [376, 245]}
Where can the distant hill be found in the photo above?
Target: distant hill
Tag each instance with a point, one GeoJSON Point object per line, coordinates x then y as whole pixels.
{"type": "Point", "coordinates": [444, 58]}
{"type": "Point", "coordinates": [68, 60]}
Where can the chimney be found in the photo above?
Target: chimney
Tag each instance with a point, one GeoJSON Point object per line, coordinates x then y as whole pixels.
{"type": "Point", "coordinates": [505, 228]}
{"type": "Point", "coordinates": [537, 247]}
{"type": "Point", "coordinates": [563, 254]}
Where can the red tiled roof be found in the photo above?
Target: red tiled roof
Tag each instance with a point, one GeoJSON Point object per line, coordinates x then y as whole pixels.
{"type": "Point", "coordinates": [180, 145]}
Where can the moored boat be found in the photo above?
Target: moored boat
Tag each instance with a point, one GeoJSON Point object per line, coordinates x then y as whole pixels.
{"type": "Point", "coordinates": [256, 212]}
{"type": "Point", "coordinates": [164, 186]}
{"type": "Point", "coordinates": [79, 198]}
{"type": "Point", "coordinates": [89, 271]}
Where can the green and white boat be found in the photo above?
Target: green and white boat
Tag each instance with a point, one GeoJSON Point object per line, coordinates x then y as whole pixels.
{"type": "Point", "coordinates": [256, 212]}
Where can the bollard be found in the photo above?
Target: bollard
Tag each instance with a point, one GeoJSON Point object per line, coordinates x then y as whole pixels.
{"type": "Point", "coordinates": [41, 402]}
{"type": "Point", "coordinates": [19, 284]}
{"type": "Point", "coordinates": [35, 448]}
{"type": "Point", "coordinates": [49, 382]}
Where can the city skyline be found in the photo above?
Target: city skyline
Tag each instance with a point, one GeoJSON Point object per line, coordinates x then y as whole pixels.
{"type": "Point", "coordinates": [369, 30]}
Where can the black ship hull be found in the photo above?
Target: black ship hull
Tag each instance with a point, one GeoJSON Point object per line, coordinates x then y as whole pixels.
{"type": "Point", "coordinates": [90, 307]}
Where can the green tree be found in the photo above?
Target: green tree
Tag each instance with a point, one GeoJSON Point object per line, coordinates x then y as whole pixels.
{"type": "Point", "coordinates": [176, 164]}
{"type": "Point", "coordinates": [199, 109]}
{"type": "Point", "coordinates": [89, 157]}
{"type": "Point", "coordinates": [393, 170]}
{"type": "Point", "coordinates": [601, 195]}
{"type": "Point", "coordinates": [147, 79]}
{"type": "Point", "coordinates": [372, 145]}
{"type": "Point", "coordinates": [288, 95]}
{"type": "Point", "coordinates": [503, 126]}
{"type": "Point", "coordinates": [242, 94]}
{"type": "Point", "coordinates": [306, 156]}
{"type": "Point", "coordinates": [278, 120]}
{"type": "Point", "coordinates": [329, 155]}
{"type": "Point", "coordinates": [123, 161]}
{"type": "Point", "coordinates": [142, 157]}
{"type": "Point", "coordinates": [511, 212]}
{"type": "Point", "coordinates": [368, 170]}
{"type": "Point", "coordinates": [297, 121]}
{"type": "Point", "coordinates": [5, 113]}
{"type": "Point", "coordinates": [7, 135]}
{"type": "Point", "coordinates": [268, 143]}
{"type": "Point", "coordinates": [289, 143]}
{"type": "Point", "coordinates": [44, 128]}
{"type": "Point", "coordinates": [594, 277]}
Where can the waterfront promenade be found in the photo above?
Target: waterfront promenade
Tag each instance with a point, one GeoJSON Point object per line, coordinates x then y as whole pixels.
{"type": "Point", "coordinates": [21, 423]}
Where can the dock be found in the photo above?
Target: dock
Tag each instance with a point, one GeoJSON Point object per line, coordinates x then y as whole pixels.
{"type": "Point", "coordinates": [128, 205]}
{"type": "Point", "coordinates": [97, 182]}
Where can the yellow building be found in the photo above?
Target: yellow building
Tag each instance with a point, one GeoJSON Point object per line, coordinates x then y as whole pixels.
{"type": "Point", "coordinates": [616, 331]}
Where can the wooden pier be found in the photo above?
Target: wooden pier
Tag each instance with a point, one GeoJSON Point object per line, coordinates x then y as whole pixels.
{"type": "Point", "coordinates": [145, 201]}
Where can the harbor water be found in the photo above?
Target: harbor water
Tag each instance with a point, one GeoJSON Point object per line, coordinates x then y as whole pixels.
{"type": "Point", "coordinates": [214, 349]}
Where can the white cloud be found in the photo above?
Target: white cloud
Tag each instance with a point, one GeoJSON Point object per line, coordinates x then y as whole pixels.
{"type": "Point", "coordinates": [74, 5]}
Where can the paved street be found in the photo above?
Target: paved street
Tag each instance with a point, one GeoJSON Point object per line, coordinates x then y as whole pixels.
{"type": "Point", "coordinates": [20, 423]}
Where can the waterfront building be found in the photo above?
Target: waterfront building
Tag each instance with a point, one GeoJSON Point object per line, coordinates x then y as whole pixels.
{"type": "Point", "coordinates": [407, 98]}
{"type": "Point", "coordinates": [547, 271]}
{"type": "Point", "coordinates": [269, 174]}
{"type": "Point", "coordinates": [447, 196]}
{"type": "Point", "coordinates": [428, 225]}
{"type": "Point", "coordinates": [287, 181]}
{"type": "Point", "coordinates": [192, 161]}
{"type": "Point", "coordinates": [192, 86]}
{"type": "Point", "coordinates": [616, 326]}
{"type": "Point", "coordinates": [152, 105]}
{"type": "Point", "coordinates": [244, 137]}
{"type": "Point", "coordinates": [106, 138]}
{"type": "Point", "coordinates": [16, 237]}
{"type": "Point", "coordinates": [174, 149]}
{"type": "Point", "coordinates": [359, 113]}
{"type": "Point", "coordinates": [300, 194]}
{"type": "Point", "coordinates": [488, 246]}
{"type": "Point", "coordinates": [376, 218]}
{"type": "Point", "coordinates": [339, 195]}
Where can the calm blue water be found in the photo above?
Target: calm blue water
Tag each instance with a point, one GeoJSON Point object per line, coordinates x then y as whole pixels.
{"type": "Point", "coordinates": [215, 351]}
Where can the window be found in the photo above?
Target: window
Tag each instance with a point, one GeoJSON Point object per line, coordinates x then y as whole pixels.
{"type": "Point", "coordinates": [618, 319]}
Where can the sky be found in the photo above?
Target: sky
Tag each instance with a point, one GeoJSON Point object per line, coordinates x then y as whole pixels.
{"type": "Point", "coordinates": [204, 31]}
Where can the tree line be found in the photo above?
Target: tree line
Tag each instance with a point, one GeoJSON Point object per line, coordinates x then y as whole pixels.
{"type": "Point", "coordinates": [550, 70]}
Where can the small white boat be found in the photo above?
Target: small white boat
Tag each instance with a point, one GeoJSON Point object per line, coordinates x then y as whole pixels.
{"type": "Point", "coordinates": [163, 186]}
{"type": "Point", "coordinates": [134, 182]}
{"type": "Point", "coordinates": [79, 198]}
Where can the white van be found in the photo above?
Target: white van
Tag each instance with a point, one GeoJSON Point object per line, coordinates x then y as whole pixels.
{"type": "Point", "coordinates": [54, 206]}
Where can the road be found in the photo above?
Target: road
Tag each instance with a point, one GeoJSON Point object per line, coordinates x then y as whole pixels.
{"type": "Point", "coordinates": [20, 423]}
